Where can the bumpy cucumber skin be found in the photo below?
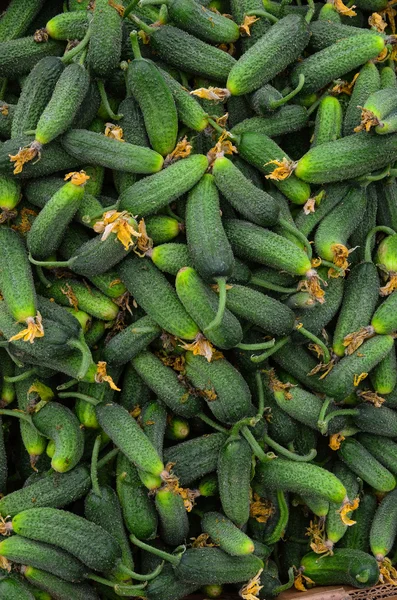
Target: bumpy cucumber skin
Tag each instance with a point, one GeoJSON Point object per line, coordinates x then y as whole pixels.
{"type": "Point", "coordinates": [259, 150]}
{"type": "Point", "coordinates": [189, 109]}
{"type": "Point", "coordinates": [334, 193]}
{"type": "Point", "coordinates": [97, 149]}
{"type": "Point", "coordinates": [226, 535]}
{"type": "Point", "coordinates": [194, 458]}
{"type": "Point", "coordinates": [340, 382]}
{"type": "Point", "coordinates": [350, 157]}
{"type": "Point", "coordinates": [342, 568]}
{"type": "Point", "coordinates": [36, 93]}
{"type": "Point", "coordinates": [14, 589]}
{"type": "Point", "coordinates": [332, 62]}
{"type": "Point", "coordinates": [162, 228]}
{"type": "Point", "coordinates": [233, 398]}
{"type": "Point", "coordinates": [68, 26]}
{"type": "Point", "coordinates": [86, 541]}
{"type": "Point", "coordinates": [384, 318]}
{"type": "Point", "coordinates": [288, 119]}
{"type": "Point", "coordinates": [128, 343]}
{"type": "Point", "coordinates": [139, 514]}
{"type": "Point", "coordinates": [380, 421]}
{"type": "Point", "coordinates": [260, 245]}
{"type": "Point", "coordinates": [361, 462]}
{"type": "Point", "coordinates": [90, 301]}
{"type": "Point", "coordinates": [168, 587]}
{"type": "Point", "coordinates": [10, 192]}
{"type": "Point", "coordinates": [164, 382]}
{"type": "Point", "coordinates": [174, 523]}
{"type": "Point", "coordinates": [324, 33]}
{"type": "Point", "coordinates": [253, 204]}
{"type": "Point", "coordinates": [16, 278]}
{"type": "Point", "coordinates": [203, 23]}
{"type": "Point", "coordinates": [6, 119]}
{"type": "Point", "coordinates": [388, 78]}
{"type": "Point", "coordinates": [302, 478]}
{"type": "Point", "coordinates": [384, 527]}
{"type": "Point", "coordinates": [157, 297]}
{"type": "Point", "coordinates": [170, 258]}
{"type": "Point", "coordinates": [298, 362]}
{"type": "Point", "coordinates": [54, 585]}
{"type": "Point", "coordinates": [42, 556]}
{"type": "Point", "coordinates": [357, 537]}
{"type": "Point", "coordinates": [382, 448]}
{"type": "Point", "coordinates": [18, 57]}
{"type": "Point", "coordinates": [234, 477]}
{"type": "Point", "coordinates": [239, 8]}
{"type": "Point", "coordinates": [329, 119]}
{"type": "Point", "coordinates": [186, 52]}
{"type": "Point", "coordinates": [150, 194]}
{"type": "Point", "coordinates": [271, 54]}
{"type": "Point", "coordinates": [17, 18]}
{"type": "Point", "coordinates": [154, 422]}
{"type": "Point", "coordinates": [106, 37]}
{"type": "Point", "coordinates": [359, 301]}
{"type": "Point", "coordinates": [59, 424]}
{"type": "Point", "coordinates": [384, 375]}
{"type": "Point", "coordinates": [129, 437]}
{"type": "Point", "coordinates": [335, 528]}
{"type": "Point", "coordinates": [201, 303]}
{"type": "Point", "coordinates": [367, 82]}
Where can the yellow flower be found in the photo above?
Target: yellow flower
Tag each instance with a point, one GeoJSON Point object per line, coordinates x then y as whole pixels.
{"type": "Point", "coordinates": [34, 330]}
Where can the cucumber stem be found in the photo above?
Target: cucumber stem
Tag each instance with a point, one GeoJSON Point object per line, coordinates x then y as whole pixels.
{"type": "Point", "coordinates": [336, 413]}
{"type": "Point", "coordinates": [130, 7]}
{"type": "Point", "coordinates": [286, 586]}
{"type": "Point", "coordinates": [272, 286]}
{"type": "Point", "coordinates": [107, 458]}
{"type": "Point", "coordinates": [298, 234]}
{"type": "Point", "coordinates": [67, 385]}
{"type": "Point", "coordinates": [310, 336]}
{"type": "Point", "coordinates": [215, 125]}
{"type": "Point", "coordinates": [146, 28]}
{"type": "Point", "coordinates": [365, 179]}
{"type": "Point", "coordinates": [89, 399]}
{"type": "Point", "coordinates": [135, 45]}
{"type": "Point", "coordinates": [66, 58]}
{"type": "Point", "coordinates": [174, 560]}
{"type": "Point", "coordinates": [21, 377]}
{"type": "Point", "coordinates": [14, 359]}
{"type": "Point", "coordinates": [255, 447]}
{"type": "Point", "coordinates": [153, 2]}
{"type": "Point", "coordinates": [262, 346]}
{"type": "Point", "coordinates": [310, 12]}
{"type": "Point", "coordinates": [315, 104]}
{"type": "Point", "coordinates": [261, 393]}
{"type": "Point", "coordinates": [287, 453]}
{"type": "Point", "coordinates": [277, 103]}
{"type": "Point", "coordinates": [128, 589]}
{"type": "Point", "coordinates": [323, 412]}
{"type": "Point", "coordinates": [263, 13]}
{"type": "Point", "coordinates": [17, 413]}
{"type": "Point", "coordinates": [327, 263]}
{"type": "Point", "coordinates": [94, 466]}
{"type": "Point", "coordinates": [279, 344]}
{"type": "Point", "coordinates": [277, 532]}
{"type": "Point", "coordinates": [43, 279]}
{"type": "Point", "coordinates": [86, 357]}
{"type": "Point", "coordinates": [51, 263]}
{"type": "Point", "coordinates": [368, 241]}
{"type": "Point", "coordinates": [211, 423]}
{"type": "Point", "coordinates": [221, 281]}
{"type": "Point", "coordinates": [139, 576]}
{"type": "Point", "coordinates": [105, 101]}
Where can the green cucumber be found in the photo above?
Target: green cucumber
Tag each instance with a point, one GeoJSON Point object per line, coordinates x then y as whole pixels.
{"type": "Point", "coordinates": [380, 104]}
{"type": "Point", "coordinates": [382, 448]}
{"type": "Point", "coordinates": [59, 589]}
{"type": "Point", "coordinates": [388, 78]}
{"type": "Point", "coordinates": [16, 19]}
{"type": "Point", "coordinates": [344, 567]}
{"type": "Point", "coordinates": [357, 536]}
{"type": "Point", "coordinates": [68, 26]}
{"type": "Point", "coordinates": [324, 33]}
{"type": "Point", "coordinates": [171, 257]}
{"type": "Point", "coordinates": [134, 391]}
{"type": "Point", "coordinates": [194, 458]}
{"type": "Point", "coordinates": [174, 523]}
{"type": "Point", "coordinates": [168, 587]}
{"type": "Point", "coordinates": [329, 119]}
{"type": "Point", "coordinates": [10, 194]}
{"type": "Point", "coordinates": [239, 9]}
{"type": "Point", "coordinates": [130, 341]}
{"type": "Point", "coordinates": [7, 393]}
{"type": "Point", "coordinates": [288, 119]}
{"type": "Point", "coordinates": [178, 429]}
{"type": "Point", "coordinates": [361, 462]}
{"type": "Point", "coordinates": [359, 236]}
{"type": "Point", "coordinates": [19, 56]}
{"type": "Point", "coordinates": [226, 535]}
{"type": "Point", "coordinates": [234, 477]}
{"type": "Point", "coordinates": [162, 228]}
{"type": "Point", "coordinates": [150, 194]}
{"type": "Point", "coordinates": [233, 398]}
{"type": "Point", "coordinates": [156, 296]}
{"type": "Point", "coordinates": [164, 382]}
{"type": "Point", "coordinates": [270, 55]}
{"type": "Point", "coordinates": [335, 528]}
{"type": "Point", "coordinates": [384, 375]}
{"type": "Point", "coordinates": [384, 527]}
{"type": "Point", "coordinates": [154, 420]}
{"type": "Point", "coordinates": [85, 116]}
{"type": "Point", "coordinates": [334, 193]}
{"type": "Point", "coordinates": [367, 82]}
{"type": "Point", "coordinates": [384, 318]}
{"type": "Point", "coordinates": [7, 112]}
{"type": "Point", "coordinates": [12, 588]}
{"type": "Point", "coordinates": [104, 49]}
{"type": "Point", "coordinates": [61, 426]}
{"type": "Point", "coordinates": [381, 421]}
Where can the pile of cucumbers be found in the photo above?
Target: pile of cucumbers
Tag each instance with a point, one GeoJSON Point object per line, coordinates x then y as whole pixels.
{"type": "Point", "coordinates": [198, 298]}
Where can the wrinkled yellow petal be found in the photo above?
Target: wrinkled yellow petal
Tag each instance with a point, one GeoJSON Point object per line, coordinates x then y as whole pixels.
{"type": "Point", "coordinates": [347, 508]}
{"type": "Point", "coordinates": [372, 397]}
{"type": "Point", "coordinates": [335, 441]}
{"type": "Point", "coordinates": [359, 378]}
{"type": "Point", "coordinates": [200, 346]}
{"type": "Point", "coordinates": [24, 156]}
{"type": "Point", "coordinates": [277, 386]}
{"type": "Point", "coordinates": [114, 132]}
{"type": "Point", "coordinates": [376, 21]}
{"type": "Point", "coordinates": [245, 27]}
{"type": "Point", "coordinates": [102, 376]}
{"type": "Point", "coordinates": [301, 581]}
{"type": "Point", "coordinates": [261, 510]}
{"type": "Point", "coordinates": [77, 177]}
{"type": "Point", "coordinates": [388, 573]}
{"type": "Point", "coordinates": [284, 169]}
{"type": "Point", "coordinates": [390, 286]}
{"type": "Point", "coordinates": [368, 120]}
{"type": "Point", "coordinates": [251, 590]}
{"type": "Point", "coordinates": [4, 110]}
{"type": "Point", "coordinates": [34, 330]}
{"type": "Point", "coordinates": [212, 93]}
{"type": "Point", "coordinates": [344, 10]}
{"type": "Point", "coordinates": [202, 541]}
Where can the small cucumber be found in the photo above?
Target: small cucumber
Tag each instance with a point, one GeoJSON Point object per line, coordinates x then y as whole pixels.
{"type": "Point", "coordinates": [384, 375]}
{"type": "Point", "coordinates": [162, 228]}
{"type": "Point", "coordinates": [16, 19]}
{"type": "Point", "coordinates": [384, 318]}
{"type": "Point", "coordinates": [7, 393]}
{"type": "Point", "coordinates": [174, 523]}
{"type": "Point", "coordinates": [19, 56]}
{"type": "Point", "coordinates": [171, 257]}
{"type": "Point", "coordinates": [59, 589]}
{"type": "Point", "coordinates": [168, 587]}
{"type": "Point", "coordinates": [335, 528]}
{"type": "Point", "coordinates": [367, 82]}
{"type": "Point", "coordinates": [288, 119]}
{"type": "Point", "coordinates": [325, 32]}
{"type": "Point", "coordinates": [344, 567]}
{"type": "Point", "coordinates": [357, 536]}
{"type": "Point", "coordinates": [12, 588]}
{"type": "Point", "coordinates": [334, 193]}
{"type": "Point", "coordinates": [239, 9]}
{"type": "Point", "coordinates": [380, 421]}
{"type": "Point", "coordinates": [388, 78]}
{"type": "Point", "coordinates": [106, 38]}
{"type": "Point", "coordinates": [154, 422]}
{"type": "Point", "coordinates": [361, 462]}
{"type": "Point", "coordinates": [68, 26]}
{"type": "Point", "coordinates": [329, 119]}
{"type": "Point", "coordinates": [234, 477]}
{"type": "Point", "coordinates": [382, 448]}
{"type": "Point", "coordinates": [226, 535]}
{"type": "Point", "coordinates": [384, 527]}
{"type": "Point", "coordinates": [130, 341]}
{"type": "Point", "coordinates": [74, 293]}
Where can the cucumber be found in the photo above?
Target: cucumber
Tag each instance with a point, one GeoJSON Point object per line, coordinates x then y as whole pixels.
{"type": "Point", "coordinates": [68, 26]}
{"type": "Point", "coordinates": [341, 380]}
{"type": "Point", "coordinates": [357, 536]}
{"type": "Point", "coordinates": [334, 193]}
{"type": "Point", "coordinates": [130, 341]}
{"type": "Point", "coordinates": [150, 194]}
{"type": "Point", "coordinates": [171, 257]}
{"type": "Point", "coordinates": [387, 78]}
{"type": "Point", "coordinates": [45, 235]}
{"type": "Point", "coordinates": [104, 49]}
{"type": "Point", "coordinates": [59, 590]}
{"type": "Point", "coordinates": [270, 55]}
{"type": "Point", "coordinates": [384, 320]}
{"type": "Point", "coordinates": [324, 33]}
{"type": "Point", "coordinates": [350, 157]}
{"type": "Point", "coordinates": [361, 462]}
{"type": "Point", "coordinates": [259, 150]}
{"type": "Point", "coordinates": [7, 393]}
{"type": "Point", "coordinates": [381, 421]}
{"type": "Point", "coordinates": [33, 441]}
{"type": "Point", "coordinates": [360, 234]}
{"type": "Point", "coordinates": [253, 204]}
{"type": "Point", "coordinates": [233, 398]}
{"type": "Point", "coordinates": [88, 542]}
{"type": "Point", "coordinates": [234, 476]}
{"type": "Point", "coordinates": [10, 194]}
{"type": "Point", "coordinates": [384, 375]}
{"type": "Point", "coordinates": [384, 527]}
{"type": "Point", "coordinates": [97, 149]}
{"type": "Point", "coordinates": [21, 550]}
{"type": "Point", "coordinates": [128, 437]}
{"type": "Point", "coordinates": [164, 382]}
{"type": "Point", "coordinates": [155, 100]}
{"type": "Point", "coordinates": [344, 567]}
{"type": "Point", "coordinates": [19, 56]}
{"type": "Point", "coordinates": [201, 303]}
{"type": "Point", "coordinates": [155, 295]}
{"type": "Point", "coordinates": [155, 422]}
{"type": "Point", "coordinates": [367, 82]}
{"type": "Point", "coordinates": [134, 391]}
{"type": "Point", "coordinates": [174, 523]}
{"type": "Point", "coordinates": [162, 228]}
{"type": "Point", "coordinates": [85, 116]}
{"type": "Point", "coordinates": [139, 514]}
{"type": "Point", "coordinates": [16, 19]}
{"type": "Point", "coordinates": [329, 120]}
{"type": "Point", "coordinates": [226, 535]}
{"type": "Point", "coordinates": [194, 458]}
{"type": "Point", "coordinates": [239, 9]}
{"type": "Point", "coordinates": [7, 112]}
{"type": "Point", "coordinates": [380, 104]}
{"type": "Point", "coordinates": [288, 119]}
{"type": "Point", "coordinates": [335, 527]}
{"type": "Point", "coordinates": [301, 478]}
{"type": "Point", "coordinates": [336, 60]}
{"type": "Point", "coordinates": [382, 448]}
{"type": "Point", "coordinates": [250, 242]}
{"type": "Point", "coordinates": [60, 425]}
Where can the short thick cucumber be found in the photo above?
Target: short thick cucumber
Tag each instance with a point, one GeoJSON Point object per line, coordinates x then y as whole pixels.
{"type": "Point", "coordinates": [384, 527]}
{"type": "Point", "coordinates": [384, 375]}
{"type": "Point", "coordinates": [130, 341]}
{"type": "Point", "coordinates": [226, 535]}
{"type": "Point", "coordinates": [68, 26]}
{"type": "Point", "coordinates": [361, 462]}
{"type": "Point", "coordinates": [18, 57]}
{"type": "Point", "coordinates": [72, 292]}
{"type": "Point", "coordinates": [106, 38]}
{"type": "Point", "coordinates": [382, 448]}
{"type": "Point", "coordinates": [174, 523]}
{"type": "Point", "coordinates": [366, 83]}
{"type": "Point", "coordinates": [344, 567]}
{"type": "Point", "coordinates": [380, 421]}
{"type": "Point", "coordinates": [288, 119]}
{"type": "Point", "coordinates": [16, 19]}
{"type": "Point", "coordinates": [357, 537]}
{"type": "Point", "coordinates": [62, 590]}
{"type": "Point", "coordinates": [234, 478]}
{"type": "Point", "coordinates": [162, 228]}
{"type": "Point", "coordinates": [329, 118]}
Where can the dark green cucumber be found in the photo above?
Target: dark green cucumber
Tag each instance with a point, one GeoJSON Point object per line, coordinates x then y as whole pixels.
{"type": "Point", "coordinates": [134, 391]}
{"type": "Point", "coordinates": [174, 523]}
{"type": "Point", "coordinates": [382, 448]}
{"type": "Point", "coordinates": [270, 55]}
{"type": "Point", "coordinates": [90, 104]}
{"type": "Point", "coordinates": [155, 295]}
{"type": "Point", "coordinates": [7, 392]}
{"type": "Point", "coordinates": [329, 119]}
{"type": "Point", "coordinates": [153, 193]}
{"type": "Point", "coordinates": [16, 19]}
{"type": "Point", "coordinates": [367, 82]}
{"type": "Point", "coordinates": [239, 9]}
{"type": "Point", "coordinates": [130, 341]}
{"type": "Point", "coordinates": [361, 462]}
{"type": "Point", "coordinates": [21, 550]}
{"type": "Point", "coordinates": [19, 56]}
{"type": "Point", "coordinates": [288, 119]}
{"type": "Point", "coordinates": [384, 527]}
{"type": "Point", "coordinates": [226, 535]}
{"type": "Point", "coordinates": [126, 434]}
{"type": "Point", "coordinates": [384, 375]}
{"type": "Point", "coordinates": [234, 477]}
{"type": "Point", "coordinates": [359, 236]}
{"type": "Point", "coordinates": [357, 536]}
{"type": "Point", "coordinates": [154, 423]}
{"type": "Point", "coordinates": [60, 425]}
{"type": "Point", "coordinates": [162, 228]}
{"type": "Point", "coordinates": [334, 193]}
{"type": "Point", "coordinates": [59, 589]}
{"type": "Point", "coordinates": [164, 382]}
{"type": "Point", "coordinates": [380, 421]}
{"type": "Point", "coordinates": [168, 587]}
{"type": "Point", "coordinates": [259, 150]}
{"type": "Point", "coordinates": [106, 38]}
{"type": "Point", "coordinates": [335, 528]}
{"type": "Point", "coordinates": [68, 26]}
{"type": "Point", "coordinates": [7, 112]}
{"type": "Point", "coordinates": [387, 78]}
{"type": "Point", "coordinates": [194, 458]}
{"type": "Point", "coordinates": [344, 567]}
{"type": "Point", "coordinates": [233, 398]}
